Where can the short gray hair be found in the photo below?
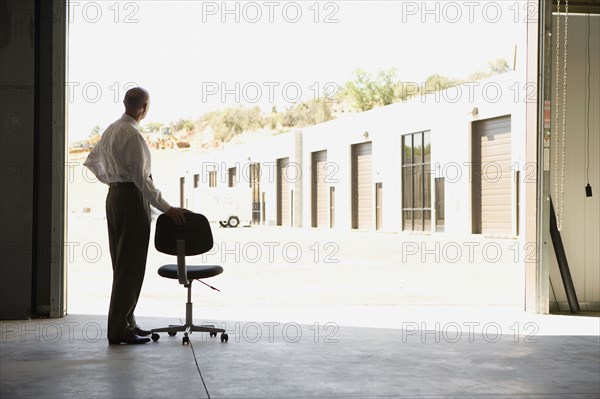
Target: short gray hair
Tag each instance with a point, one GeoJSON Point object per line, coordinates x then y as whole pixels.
{"type": "Point", "coordinates": [136, 97]}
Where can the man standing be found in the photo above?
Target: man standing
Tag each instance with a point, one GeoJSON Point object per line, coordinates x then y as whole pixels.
{"type": "Point", "coordinates": [121, 159]}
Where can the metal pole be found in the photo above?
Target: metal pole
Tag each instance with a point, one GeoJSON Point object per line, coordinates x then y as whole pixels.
{"type": "Point", "coordinates": [188, 306]}
{"type": "Point", "coordinates": [563, 265]}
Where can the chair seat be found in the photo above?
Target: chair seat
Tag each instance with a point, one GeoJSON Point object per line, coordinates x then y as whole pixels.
{"type": "Point", "coordinates": [193, 272]}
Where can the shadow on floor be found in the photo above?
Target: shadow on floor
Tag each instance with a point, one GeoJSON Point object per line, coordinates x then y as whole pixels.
{"type": "Point", "coordinates": [70, 358]}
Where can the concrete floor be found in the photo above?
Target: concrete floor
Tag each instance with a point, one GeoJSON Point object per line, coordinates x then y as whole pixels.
{"type": "Point", "coordinates": [70, 358]}
{"type": "Point", "coordinates": [311, 332]}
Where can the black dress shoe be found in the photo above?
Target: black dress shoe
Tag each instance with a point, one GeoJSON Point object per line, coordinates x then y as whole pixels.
{"type": "Point", "coordinates": [142, 333]}
{"type": "Point", "coordinates": [131, 339]}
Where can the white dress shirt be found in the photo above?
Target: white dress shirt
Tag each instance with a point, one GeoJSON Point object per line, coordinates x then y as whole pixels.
{"type": "Point", "coordinates": [122, 155]}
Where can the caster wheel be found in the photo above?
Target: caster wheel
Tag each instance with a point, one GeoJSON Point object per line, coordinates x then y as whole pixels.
{"type": "Point", "coordinates": [185, 341]}
{"type": "Point", "coordinates": [155, 337]}
{"type": "Point", "coordinates": [172, 333]}
{"type": "Point", "coordinates": [213, 334]}
{"type": "Point", "coordinates": [233, 221]}
{"type": "Point", "coordinates": [224, 337]}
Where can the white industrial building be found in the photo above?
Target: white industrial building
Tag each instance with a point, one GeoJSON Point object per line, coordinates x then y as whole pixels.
{"type": "Point", "coordinates": [352, 172]}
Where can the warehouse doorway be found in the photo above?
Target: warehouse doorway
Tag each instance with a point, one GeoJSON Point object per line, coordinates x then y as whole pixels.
{"type": "Point", "coordinates": [319, 201]}
{"type": "Point", "coordinates": [362, 186]}
{"type": "Point", "coordinates": [284, 211]}
{"type": "Point", "coordinates": [492, 188]}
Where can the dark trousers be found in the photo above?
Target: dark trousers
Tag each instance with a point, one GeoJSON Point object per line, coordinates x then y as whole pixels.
{"type": "Point", "coordinates": [128, 217]}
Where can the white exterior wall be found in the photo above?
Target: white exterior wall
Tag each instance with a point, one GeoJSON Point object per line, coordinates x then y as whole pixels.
{"type": "Point", "coordinates": [241, 157]}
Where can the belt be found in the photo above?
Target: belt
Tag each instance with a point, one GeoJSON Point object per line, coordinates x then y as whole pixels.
{"type": "Point", "coordinates": [122, 184]}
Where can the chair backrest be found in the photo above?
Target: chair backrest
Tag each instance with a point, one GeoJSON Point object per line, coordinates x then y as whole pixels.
{"type": "Point", "coordinates": [195, 231]}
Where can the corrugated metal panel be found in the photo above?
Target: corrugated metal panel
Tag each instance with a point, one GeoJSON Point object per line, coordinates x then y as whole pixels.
{"type": "Point", "coordinates": [362, 182]}
{"type": "Point", "coordinates": [320, 190]}
{"type": "Point", "coordinates": [492, 162]}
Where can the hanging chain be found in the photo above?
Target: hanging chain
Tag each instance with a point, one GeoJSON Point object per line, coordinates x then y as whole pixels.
{"type": "Point", "coordinates": [564, 122]}
{"type": "Point", "coordinates": [556, 109]}
{"type": "Point", "coordinates": [559, 132]}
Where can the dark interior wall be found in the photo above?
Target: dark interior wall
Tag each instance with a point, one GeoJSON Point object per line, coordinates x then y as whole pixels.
{"type": "Point", "coordinates": [17, 66]}
{"type": "Point", "coordinates": [32, 121]}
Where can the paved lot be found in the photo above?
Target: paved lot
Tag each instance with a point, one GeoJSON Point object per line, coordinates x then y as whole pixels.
{"type": "Point", "coordinates": [268, 267]}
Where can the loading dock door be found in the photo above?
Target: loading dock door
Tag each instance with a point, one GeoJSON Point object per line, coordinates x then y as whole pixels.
{"type": "Point", "coordinates": [492, 177]}
{"type": "Point", "coordinates": [284, 214]}
{"type": "Point", "coordinates": [255, 188]}
{"type": "Point", "coordinates": [362, 187]}
{"type": "Point", "coordinates": [378, 205]}
{"type": "Point", "coordinates": [320, 191]}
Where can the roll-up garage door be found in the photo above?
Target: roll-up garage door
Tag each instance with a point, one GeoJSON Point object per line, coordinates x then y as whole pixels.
{"type": "Point", "coordinates": [320, 190]}
{"type": "Point", "coordinates": [492, 176]}
{"type": "Point", "coordinates": [284, 215]}
{"type": "Point", "coordinates": [362, 190]}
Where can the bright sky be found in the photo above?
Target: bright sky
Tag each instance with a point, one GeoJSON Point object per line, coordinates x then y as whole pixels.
{"type": "Point", "coordinates": [186, 53]}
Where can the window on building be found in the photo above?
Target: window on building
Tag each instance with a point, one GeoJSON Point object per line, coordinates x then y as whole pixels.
{"type": "Point", "coordinates": [196, 181]}
{"type": "Point", "coordinates": [416, 181]}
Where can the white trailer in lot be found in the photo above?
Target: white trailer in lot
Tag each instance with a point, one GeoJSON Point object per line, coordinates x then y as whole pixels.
{"type": "Point", "coordinates": [228, 206]}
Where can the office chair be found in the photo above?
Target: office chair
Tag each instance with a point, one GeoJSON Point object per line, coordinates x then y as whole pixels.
{"type": "Point", "coordinates": [194, 237]}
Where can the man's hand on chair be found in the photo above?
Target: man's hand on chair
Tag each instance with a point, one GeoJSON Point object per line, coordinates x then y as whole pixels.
{"type": "Point", "coordinates": [177, 214]}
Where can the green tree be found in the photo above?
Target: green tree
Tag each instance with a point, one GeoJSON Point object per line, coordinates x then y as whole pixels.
{"type": "Point", "coordinates": [404, 91]}
{"type": "Point", "coordinates": [363, 90]}
{"type": "Point", "coordinates": [498, 66]}
{"type": "Point", "coordinates": [307, 113]}
{"type": "Point", "coordinates": [154, 127]}
{"type": "Point", "coordinates": [366, 92]}
{"type": "Point", "coordinates": [183, 125]}
{"type": "Point", "coordinates": [231, 121]}
{"type": "Point", "coordinates": [273, 119]}
{"type": "Point", "coordinates": [437, 82]}
{"type": "Point", "coordinates": [385, 86]}
{"type": "Point", "coordinates": [478, 75]}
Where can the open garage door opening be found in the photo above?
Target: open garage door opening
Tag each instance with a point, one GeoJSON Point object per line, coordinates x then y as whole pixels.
{"type": "Point", "coordinates": [419, 169]}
